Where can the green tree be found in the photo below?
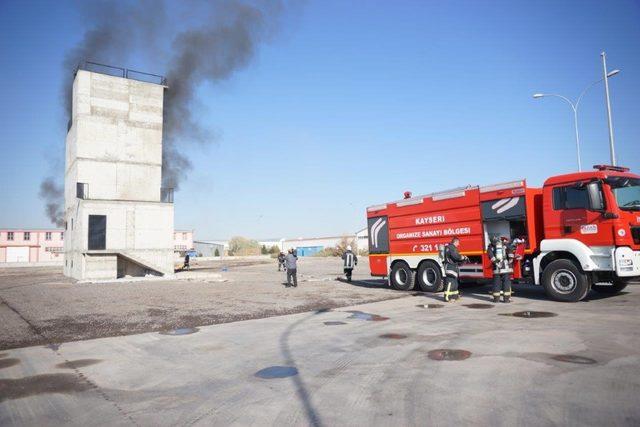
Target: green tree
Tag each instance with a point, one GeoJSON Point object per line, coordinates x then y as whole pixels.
{"type": "Point", "coordinates": [275, 249]}
{"type": "Point", "coordinates": [241, 246]}
{"type": "Point", "coordinates": [217, 252]}
{"type": "Point", "coordinates": [345, 241]}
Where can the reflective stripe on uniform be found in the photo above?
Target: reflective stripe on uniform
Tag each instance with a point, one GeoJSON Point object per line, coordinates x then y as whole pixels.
{"type": "Point", "coordinates": [348, 260]}
{"type": "Point", "coordinates": [451, 273]}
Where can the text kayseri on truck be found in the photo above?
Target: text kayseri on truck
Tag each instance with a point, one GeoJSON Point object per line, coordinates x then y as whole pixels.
{"type": "Point", "coordinates": [580, 231]}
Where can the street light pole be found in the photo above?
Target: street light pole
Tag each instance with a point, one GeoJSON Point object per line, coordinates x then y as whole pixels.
{"type": "Point", "coordinates": [606, 91]}
{"type": "Point", "coordinates": [576, 105]}
{"type": "Point", "coordinates": [575, 123]}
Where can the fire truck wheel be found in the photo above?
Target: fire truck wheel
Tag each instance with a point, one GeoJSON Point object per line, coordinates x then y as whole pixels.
{"type": "Point", "coordinates": [401, 276]}
{"type": "Point", "coordinates": [429, 277]}
{"type": "Point", "coordinates": [563, 281]}
{"type": "Point", "coordinates": [611, 289]}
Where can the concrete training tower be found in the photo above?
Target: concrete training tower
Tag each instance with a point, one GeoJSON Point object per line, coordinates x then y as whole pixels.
{"type": "Point", "coordinates": [118, 220]}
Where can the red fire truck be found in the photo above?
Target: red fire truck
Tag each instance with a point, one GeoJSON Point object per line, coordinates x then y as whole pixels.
{"type": "Point", "coordinates": [580, 231]}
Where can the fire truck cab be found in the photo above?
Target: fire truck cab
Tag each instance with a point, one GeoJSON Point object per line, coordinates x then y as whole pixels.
{"type": "Point", "coordinates": [581, 231]}
{"type": "Point", "coordinates": [591, 233]}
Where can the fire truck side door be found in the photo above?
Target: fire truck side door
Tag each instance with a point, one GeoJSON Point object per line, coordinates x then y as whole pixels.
{"type": "Point", "coordinates": [580, 206]}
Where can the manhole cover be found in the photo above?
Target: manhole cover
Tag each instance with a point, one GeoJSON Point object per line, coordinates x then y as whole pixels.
{"type": "Point", "coordinates": [449, 354]}
{"type": "Point", "coordinates": [570, 358]}
{"type": "Point", "coordinates": [334, 323]}
{"type": "Point", "coordinates": [530, 314]}
{"type": "Point", "coordinates": [480, 306]}
{"type": "Point", "coordinates": [366, 316]}
{"type": "Point", "coordinates": [180, 331]}
{"type": "Point", "coordinates": [277, 372]}
{"type": "Point", "coordinates": [430, 305]}
{"type": "Point", "coordinates": [393, 336]}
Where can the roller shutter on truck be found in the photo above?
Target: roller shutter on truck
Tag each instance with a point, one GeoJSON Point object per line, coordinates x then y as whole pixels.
{"type": "Point", "coordinates": [503, 209]}
{"type": "Point", "coordinates": [378, 235]}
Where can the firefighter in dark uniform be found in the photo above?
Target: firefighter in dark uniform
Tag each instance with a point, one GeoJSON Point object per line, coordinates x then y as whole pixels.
{"type": "Point", "coordinates": [452, 261]}
{"type": "Point", "coordinates": [281, 261]}
{"type": "Point", "coordinates": [501, 256]}
{"type": "Point", "coordinates": [350, 261]}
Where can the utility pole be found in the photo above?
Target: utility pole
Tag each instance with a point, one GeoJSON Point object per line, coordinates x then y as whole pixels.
{"type": "Point", "coordinates": [606, 91]}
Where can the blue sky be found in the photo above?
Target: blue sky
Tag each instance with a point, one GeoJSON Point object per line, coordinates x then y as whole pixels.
{"type": "Point", "coordinates": [351, 104]}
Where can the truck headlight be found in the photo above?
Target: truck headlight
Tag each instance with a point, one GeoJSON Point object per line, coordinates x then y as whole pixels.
{"type": "Point", "coordinates": [625, 262]}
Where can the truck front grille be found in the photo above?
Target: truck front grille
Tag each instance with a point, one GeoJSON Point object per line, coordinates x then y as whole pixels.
{"type": "Point", "coordinates": [635, 232]}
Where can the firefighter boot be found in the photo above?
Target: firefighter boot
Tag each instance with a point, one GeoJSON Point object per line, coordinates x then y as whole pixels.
{"type": "Point", "coordinates": [496, 297]}
{"type": "Point", "coordinates": [507, 289]}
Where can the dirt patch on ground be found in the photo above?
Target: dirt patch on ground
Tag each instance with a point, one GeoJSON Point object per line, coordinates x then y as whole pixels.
{"type": "Point", "coordinates": [42, 307]}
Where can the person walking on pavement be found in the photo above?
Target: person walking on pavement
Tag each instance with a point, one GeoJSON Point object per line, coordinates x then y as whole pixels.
{"type": "Point", "coordinates": [452, 261]}
{"type": "Point", "coordinates": [186, 261]}
{"type": "Point", "coordinates": [350, 260]}
{"type": "Point", "coordinates": [501, 257]}
{"type": "Point", "coordinates": [281, 261]}
{"type": "Point", "coordinates": [291, 264]}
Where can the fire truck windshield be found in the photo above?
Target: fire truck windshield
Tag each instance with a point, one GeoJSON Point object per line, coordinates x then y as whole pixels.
{"type": "Point", "coordinates": [626, 192]}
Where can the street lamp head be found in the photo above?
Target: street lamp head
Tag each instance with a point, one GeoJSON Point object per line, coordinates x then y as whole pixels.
{"type": "Point", "coordinates": [613, 73]}
{"type": "Point", "coordinates": [538, 95]}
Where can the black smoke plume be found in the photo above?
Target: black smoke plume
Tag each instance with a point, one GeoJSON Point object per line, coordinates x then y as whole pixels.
{"type": "Point", "coordinates": [53, 195]}
{"type": "Point", "coordinates": [206, 50]}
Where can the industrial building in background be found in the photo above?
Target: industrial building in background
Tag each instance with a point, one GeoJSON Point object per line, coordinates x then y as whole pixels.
{"type": "Point", "coordinates": [307, 246]}
{"type": "Point", "coordinates": [118, 219]}
{"type": "Point", "coordinates": [46, 246]}
{"type": "Point", "coordinates": [31, 246]}
{"type": "Point", "coordinates": [211, 248]}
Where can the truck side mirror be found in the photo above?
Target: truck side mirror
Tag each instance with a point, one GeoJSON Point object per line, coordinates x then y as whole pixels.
{"type": "Point", "coordinates": [596, 202]}
{"type": "Point", "coordinates": [609, 215]}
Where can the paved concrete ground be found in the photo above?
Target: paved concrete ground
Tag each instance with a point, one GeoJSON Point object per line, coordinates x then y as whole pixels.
{"type": "Point", "coordinates": [61, 310]}
{"type": "Point", "coordinates": [580, 367]}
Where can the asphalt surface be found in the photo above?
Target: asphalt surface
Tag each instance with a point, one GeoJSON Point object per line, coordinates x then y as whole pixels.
{"type": "Point", "coordinates": [405, 361]}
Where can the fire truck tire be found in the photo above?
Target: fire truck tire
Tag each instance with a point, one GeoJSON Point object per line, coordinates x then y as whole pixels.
{"type": "Point", "coordinates": [402, 276]}
{"type": "Point", "coordinates": [429, 277]}
{"type": "Point", "coordinates": [612, 289]}
{"type": "Point", "coordinates": [564, 281]}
